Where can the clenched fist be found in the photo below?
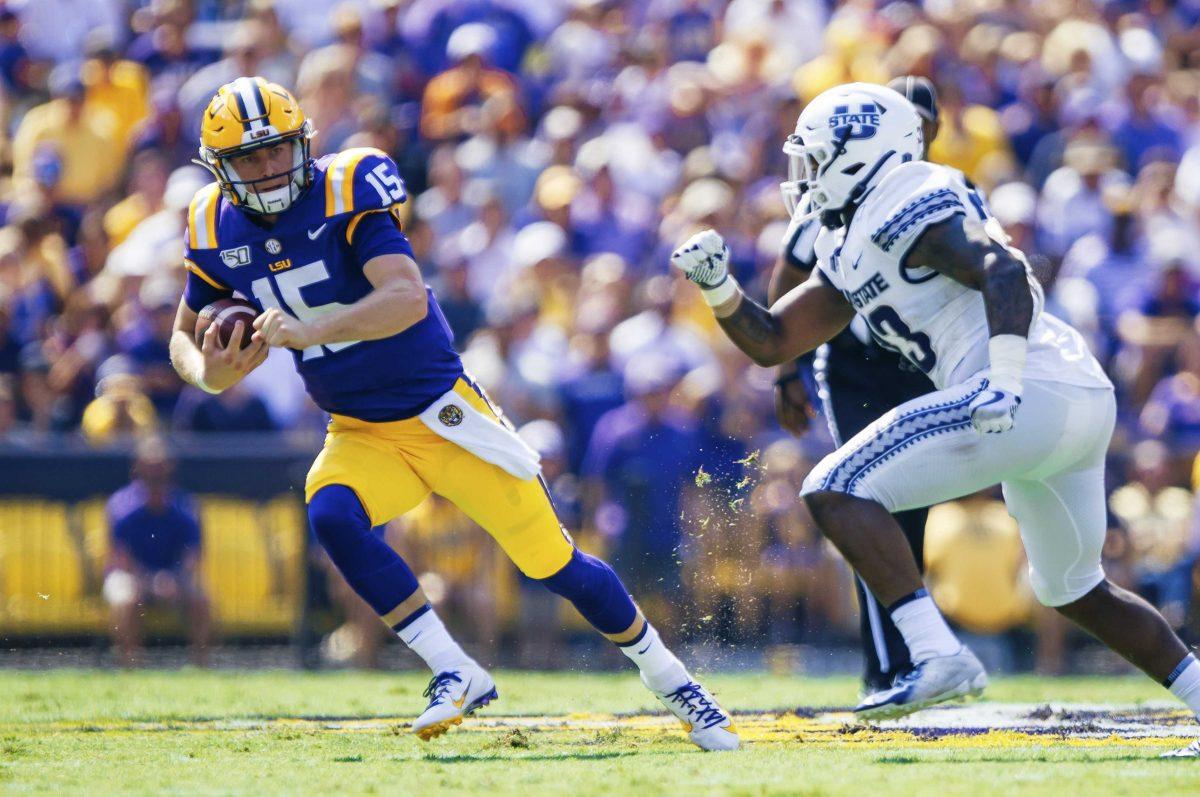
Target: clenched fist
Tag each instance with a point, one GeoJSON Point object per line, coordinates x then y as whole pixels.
{"type": "Point", "coordinates": [993, 411]}
{"type": "Point", "coordinates": [277, 328]}
{"type": "Point", "coordinates": [703, 259]}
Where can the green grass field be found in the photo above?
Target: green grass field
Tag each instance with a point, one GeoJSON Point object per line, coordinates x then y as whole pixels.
{"type": "Point", "coordinates": [269, 732]}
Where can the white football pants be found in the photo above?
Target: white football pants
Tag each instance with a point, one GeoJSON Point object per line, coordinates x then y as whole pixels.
{"type": "Point", "coordinates": [1050, 465]}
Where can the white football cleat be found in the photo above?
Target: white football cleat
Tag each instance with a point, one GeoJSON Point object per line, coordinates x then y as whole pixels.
{"type": "Point", "coordinates": [707, 725]}
{"type": "Point", "coordinates": [1191, 751]}
{"type": "Point", "coordinates": [454, 694]}
{"type": "Point", "coordinates": [929, 682]}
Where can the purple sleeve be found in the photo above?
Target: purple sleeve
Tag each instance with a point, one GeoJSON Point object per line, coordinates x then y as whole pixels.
{"type": "Point", "coordinates": [198, 294]}
{"type": "Point", "coordinates": [378, 234]}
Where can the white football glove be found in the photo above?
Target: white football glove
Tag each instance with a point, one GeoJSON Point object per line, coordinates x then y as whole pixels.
{"type": "Point", "coordinates": [703, 259]}
{"type": "Point", "coordinates": [993, 410]}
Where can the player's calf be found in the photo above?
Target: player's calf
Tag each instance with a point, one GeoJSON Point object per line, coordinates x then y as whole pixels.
{"type": "Point", "coordinates": [869, 538]}
{"type": "Point", "coordinates": [382, 578]}
{"type": "Point", "coordinates": [1135, 630]}
{"type": "Point", "coordinates": [1130, 626]}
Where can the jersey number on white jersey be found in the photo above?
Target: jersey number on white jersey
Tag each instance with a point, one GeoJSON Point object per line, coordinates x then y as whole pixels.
{"type": "Point", "coordinates": [887, 326]}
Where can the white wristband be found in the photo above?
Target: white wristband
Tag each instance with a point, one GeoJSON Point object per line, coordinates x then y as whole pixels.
{"type": "Point", "coordinates": [199, 382]}
{"type": "Point", "coordinates": [719, 295]}
{"type": "Point", "coordinates": [1006, 354]}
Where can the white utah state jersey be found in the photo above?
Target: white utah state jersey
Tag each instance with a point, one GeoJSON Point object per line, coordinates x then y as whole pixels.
{"type": "Point", "coordinates": [937, 323]}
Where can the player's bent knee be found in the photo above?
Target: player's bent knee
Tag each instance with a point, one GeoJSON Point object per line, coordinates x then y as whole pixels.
{"type": "Point", "coordinates": [334, 509]}
{"type": "Point", "coordinates": [1062, 593]}
{"type": "Point", "coordinates": [594, 588]}
{"type": "Point", "coordinates": [825, 504]}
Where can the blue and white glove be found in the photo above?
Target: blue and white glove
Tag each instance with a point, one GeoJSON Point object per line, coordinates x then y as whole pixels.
{"type": "Point", "coordinates": [993, 411]}
{"type": "Point", "coordinates": [703, 259]}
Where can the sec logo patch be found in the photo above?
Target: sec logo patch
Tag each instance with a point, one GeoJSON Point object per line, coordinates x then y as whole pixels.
{"type": "Point", "coordinates": [273, 246]}
{"type": "Point", "coordinates": [450, 415]}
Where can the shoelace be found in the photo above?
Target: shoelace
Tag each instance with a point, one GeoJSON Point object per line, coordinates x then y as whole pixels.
{"type": "Point", "coordinates": [439, 686]}
{"type": "Point", "coordinates": [909, 675]}
{"type": "Point", "coordinates": [691, 696]}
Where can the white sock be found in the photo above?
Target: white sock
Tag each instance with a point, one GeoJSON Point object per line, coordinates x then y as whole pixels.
{"type": "Point", "coordinates": [1184, 683]}
{"type": "Point", "coordinates": [430, 640]}
{"type": "Point", "coordinates": [924, 629]}
{"type": "Point", "coordinates": [664, 672]}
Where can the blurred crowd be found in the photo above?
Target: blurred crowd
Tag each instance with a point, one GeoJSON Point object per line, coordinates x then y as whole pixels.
{"type": "Point", "coordinates": [555, 151]}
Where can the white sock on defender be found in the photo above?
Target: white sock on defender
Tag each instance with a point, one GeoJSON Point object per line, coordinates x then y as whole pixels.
{"type": "Point", "coordinates": [1184, 683]}
{"type": "Point", "coordinates": [923, 627]}
{"type": "Point", "coordinates": [430, 640]}
{"type": "Point", "coordinates": [664, 672]}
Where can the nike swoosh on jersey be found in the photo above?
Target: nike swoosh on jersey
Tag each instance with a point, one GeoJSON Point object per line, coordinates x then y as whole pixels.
{"type": "Point", "coordinates": [314, 234]}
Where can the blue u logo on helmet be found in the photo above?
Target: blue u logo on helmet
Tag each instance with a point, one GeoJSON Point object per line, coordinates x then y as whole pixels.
{"type": "Point", "coordinates": [863, 123]}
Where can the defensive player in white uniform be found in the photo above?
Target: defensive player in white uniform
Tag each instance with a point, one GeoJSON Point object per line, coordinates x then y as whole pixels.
{"type": "Point", "coordinates": [1020, 401]}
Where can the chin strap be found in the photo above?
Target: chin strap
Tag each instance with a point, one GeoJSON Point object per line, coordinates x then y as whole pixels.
{"type": "Point", "coordinates": [840, 217]}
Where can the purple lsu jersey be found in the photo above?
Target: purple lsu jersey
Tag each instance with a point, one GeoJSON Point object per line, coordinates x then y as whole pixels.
{"type": "Point", "coordinates": [309, 263]}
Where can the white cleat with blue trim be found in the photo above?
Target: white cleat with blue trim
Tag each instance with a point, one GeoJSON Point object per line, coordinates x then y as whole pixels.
{"type": "Point", "coordinates": [454, 694]}
{"type": "Point", "coordinates": [929, 682]}
{"type": "Point", "coordinates": [1191, 751]}
{"type": "Point", "coordinates": [706, 723]}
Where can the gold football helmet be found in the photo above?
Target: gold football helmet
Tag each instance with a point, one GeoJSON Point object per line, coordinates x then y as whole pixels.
{"type": "Point", "coordinates": [248, 114]}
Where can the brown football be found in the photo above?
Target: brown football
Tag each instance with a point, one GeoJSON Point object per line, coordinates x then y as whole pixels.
{"type": "Point", "coordinates": [226, 313]}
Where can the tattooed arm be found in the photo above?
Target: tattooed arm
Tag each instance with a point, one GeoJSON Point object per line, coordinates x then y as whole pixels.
{"type": "Point", "coordinates": [802, 320]}
{"type": "Point", "coordinates": [963, 251]}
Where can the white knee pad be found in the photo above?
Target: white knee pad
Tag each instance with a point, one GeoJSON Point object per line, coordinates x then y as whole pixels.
{"type": "Point", "coordinates": [1064, 589]}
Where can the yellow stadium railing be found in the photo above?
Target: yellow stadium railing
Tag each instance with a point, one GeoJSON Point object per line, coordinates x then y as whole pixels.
{"type": "Point", "coordinates": [53, 556]}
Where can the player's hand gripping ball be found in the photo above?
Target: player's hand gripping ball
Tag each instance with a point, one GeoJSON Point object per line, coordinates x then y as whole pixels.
{"type": "Point", "coordinates": [703, 259]}
{"type": "Point", "coordinates": [277, 328]}
{"type": "Point", "coordinates": [224, 336]}
{"type": "Point", "coordinates": [226, 313]}
{"type": "Point", "coordinates": [994, 411]}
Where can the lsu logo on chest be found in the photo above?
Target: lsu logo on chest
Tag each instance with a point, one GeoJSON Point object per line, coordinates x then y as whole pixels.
{"type": "Point", "coordinates": [858, 123]}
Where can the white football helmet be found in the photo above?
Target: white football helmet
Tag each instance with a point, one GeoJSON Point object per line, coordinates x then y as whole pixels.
{"type": "Point", "coordinates": [846, 140]}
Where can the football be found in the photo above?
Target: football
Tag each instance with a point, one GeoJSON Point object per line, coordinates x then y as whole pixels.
{"type": "Point", "coordinates": [226, 313]}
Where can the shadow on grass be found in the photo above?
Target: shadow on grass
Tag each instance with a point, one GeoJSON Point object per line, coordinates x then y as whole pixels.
{"type": "Point", "coordinates": [468, 758]}
{"type": "Point", "coordinates": [1020, 759]}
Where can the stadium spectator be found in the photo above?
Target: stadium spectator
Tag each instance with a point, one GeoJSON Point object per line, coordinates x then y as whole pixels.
{"type": "Point", "coordinates": [55, 30]}
{"type": "Point", "coordinates": [246, 53]}
{"type": "Point", "coordinates": [234, 410]}
{"type": "Point", "coordinates": [15, 66]}
{"type": "Point", "coordinates": [121, 407]}
{"type": "Point", "coordinates": [1156, 514]}
{"type": "Point", "coordinates": [154, 557]}
{"type": "Point", "coordinates": [325, 89]}
{"type": "Point", "coordinates": [114, 85]}
{"type": "Point", "coordinates": [640, 460]}
{"type": "Point", "coordinates": [454, 100]}
{"type": "Point", "coordinates": [67, 146]}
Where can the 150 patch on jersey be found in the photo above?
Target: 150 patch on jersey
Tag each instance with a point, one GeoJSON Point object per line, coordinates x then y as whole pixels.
{"type": "Point", "coordinates": [238, 256]}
